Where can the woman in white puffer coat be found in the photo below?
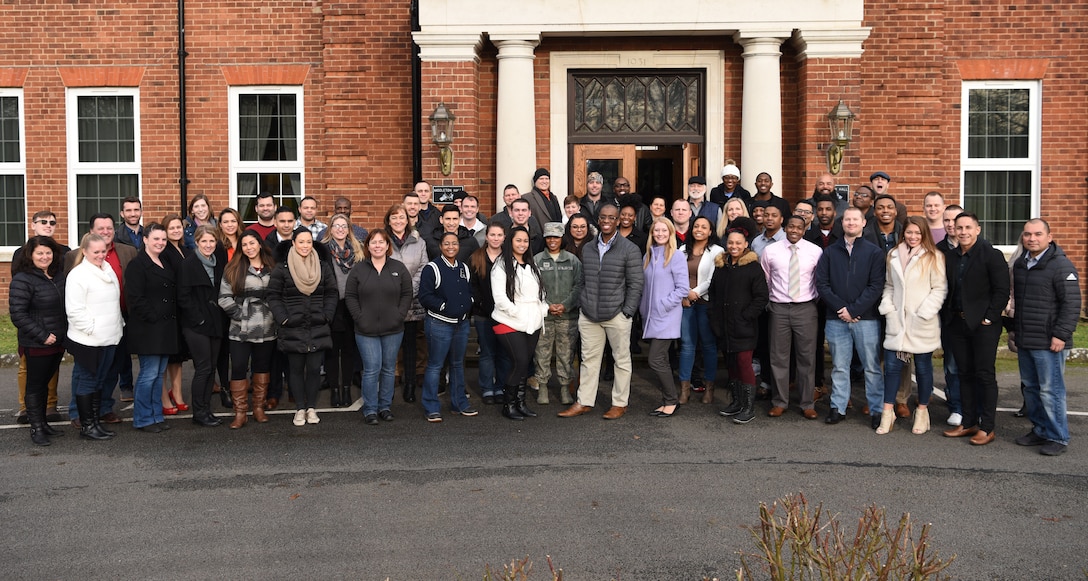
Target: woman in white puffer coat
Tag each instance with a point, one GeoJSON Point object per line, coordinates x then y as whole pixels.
{"type": "Point", "coordinates": [92, 300]}
{"type": "Point", "coordinates": [914, 290]}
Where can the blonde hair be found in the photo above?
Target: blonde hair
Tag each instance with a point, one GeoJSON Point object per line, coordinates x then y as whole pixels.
{"type": "Point", "coordinates": [723, 222]}
{"type": "Point", "coordinates": [670, 246]}
{"type": "Point", "coordinates": [88, 239]}
{"type": "Point", "coordinates": [356, 245]}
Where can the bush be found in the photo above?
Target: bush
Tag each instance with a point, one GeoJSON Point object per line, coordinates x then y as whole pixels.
{"type": "Point", "coordinates": [795, 541]}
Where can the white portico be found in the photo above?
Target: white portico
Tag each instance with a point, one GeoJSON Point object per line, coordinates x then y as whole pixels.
{"type": "Point", "coordinates": [453, 30]}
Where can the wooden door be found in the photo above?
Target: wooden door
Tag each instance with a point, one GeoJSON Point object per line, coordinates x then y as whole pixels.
{"type": "Point", "coordinates": [610, 160]}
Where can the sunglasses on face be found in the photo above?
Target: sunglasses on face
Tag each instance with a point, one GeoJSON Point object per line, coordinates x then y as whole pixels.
{"type": "Point", "coordinates": [46, 222]}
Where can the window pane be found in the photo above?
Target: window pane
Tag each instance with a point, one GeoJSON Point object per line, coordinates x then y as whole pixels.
{"type": "Point", "coordinates": [12, 211]}
{"type": "Point", "coordinates": [107, 129]}
{"type": "Point", "coordinates": [636, 103]}
{"type": "Point", "coordinates": [102, 193]}
{"type": "Point", "coordinates": [285, 188]}
{"type": "Point", "coordinates": [267, 128]}
{"type": "Point", "coordinates": [998, 123]}
{"type": "Point", "coordinates": [9, 130]}
{"type": "Point", "coordinates": [1002, 200]}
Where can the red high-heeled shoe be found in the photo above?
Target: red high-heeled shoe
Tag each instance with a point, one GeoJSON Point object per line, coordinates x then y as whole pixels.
{"type": "Point", "coordinates": [182, 406]}
{"type": "Point", "coordinates": [169, 411]}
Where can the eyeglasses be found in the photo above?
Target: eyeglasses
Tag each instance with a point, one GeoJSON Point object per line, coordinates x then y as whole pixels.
{"type": "Point", "coordinates": [340, 226]}
{"type": "Point", "coordinates": [46, 222]}
{"type": "Point", "coordinates": [608, 217]}
{"type": "Point", "coordinates": [862, 194]}
{"type": "Point", "coordinates": [803, 212]}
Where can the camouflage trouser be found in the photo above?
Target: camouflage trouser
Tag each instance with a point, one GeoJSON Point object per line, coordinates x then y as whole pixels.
{"type": "Point", "coordinates": [554, 339]}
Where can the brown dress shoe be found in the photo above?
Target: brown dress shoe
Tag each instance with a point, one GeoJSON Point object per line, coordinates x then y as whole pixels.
{"type": "Point", "coordinates": [960, 431]}
{"type": "Point", "coordinates": [810, 414]}
{"type": "Point", "coordinates": [982, 438]}
{"type": "Point", "coordinates": [614, 413]}
{"type": "Point", "coordinates": [901, 410]}
{"type": "Point", "coordinates": [575, 410]}
{"type": "Point", "coordinates": [776, 411]}
{"type": "Point", "coordinates": [110, 418]}
{"type": "Point", "coordinates": [865, 410]}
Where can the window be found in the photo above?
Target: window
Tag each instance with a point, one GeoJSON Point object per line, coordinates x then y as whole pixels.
{"type": "Point", "coordinates": [103, 153]}
{"type": "Point", "coordinates": [13, 218]}
{"type": "Point", "coordinates": [1000, 156]}
{"type": "Point", "coordinates": [607, 104]}
{"type": "Point", "coordinates": [266, 146]}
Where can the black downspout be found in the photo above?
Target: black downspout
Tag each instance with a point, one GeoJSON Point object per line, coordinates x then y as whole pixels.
{"type": "Point", "coordinates": [183, 163]}
{"type": "Point", "coordinates": [417, 103]}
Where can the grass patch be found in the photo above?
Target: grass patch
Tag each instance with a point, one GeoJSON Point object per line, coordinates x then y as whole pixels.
{"type": "Point", "coordinates": [9, 342]}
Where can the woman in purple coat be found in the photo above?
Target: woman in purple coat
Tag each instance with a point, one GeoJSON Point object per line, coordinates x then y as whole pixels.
{"type": "Point", "coordinates": [665, 288]}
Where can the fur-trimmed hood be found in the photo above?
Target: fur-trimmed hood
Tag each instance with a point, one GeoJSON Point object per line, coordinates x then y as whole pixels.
{"type": "Point", "coordinates": [747, 258]}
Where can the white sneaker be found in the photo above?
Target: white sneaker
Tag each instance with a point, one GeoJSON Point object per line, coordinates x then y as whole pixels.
{"type": "Point", "coordinates": [311, 416]}
{"type": "Point", "coordinates": [300, 418]}
{"type": "Point", "coordinates": [955, 419]}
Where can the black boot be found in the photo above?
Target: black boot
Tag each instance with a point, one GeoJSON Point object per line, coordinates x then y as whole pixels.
{"type": "Point", "coordinates": [96, 409]}
{"type": "Point", "coordinates": [522, 408]}
{"type": "Point", "coordinates": [345, 396]}
{"type": "Point", "coordinates": [334, 396]}
{"type": "Point", "coordinates": [736, 405]}
{"type": "Point", "coordinates": [748, 399]}
{"type": "Point", "coordinates": [35, 413]}
{"type": "Point", "coordinates": [409, 389]}
{"type": "Point", "coordinates": [225, 398]}
{"type": "Point", "coordinates": [88, 419]}
{"type": "Point", "coordinates": [510, 403]}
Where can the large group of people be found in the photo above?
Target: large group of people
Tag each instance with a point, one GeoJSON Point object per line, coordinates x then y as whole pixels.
{"type": "Point", "coordinates": [576, 284]}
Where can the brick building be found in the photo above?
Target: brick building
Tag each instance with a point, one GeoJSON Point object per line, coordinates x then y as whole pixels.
{"type": "Point", "coordinates": [985, 103]}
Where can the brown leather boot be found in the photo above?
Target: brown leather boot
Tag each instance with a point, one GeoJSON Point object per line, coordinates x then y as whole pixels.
{"type": "Point", "coordinates": [685, 391]}
{"type": "Point", "coordinates": [708, 395]}
{"type": "Point", "coordinates": [239, 394]}
{"type": "Point", "coordinates": [260, 390]}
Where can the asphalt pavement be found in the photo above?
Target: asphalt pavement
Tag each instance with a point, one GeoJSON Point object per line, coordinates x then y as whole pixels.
{"type": "Point", "coordinates": [635, 498]}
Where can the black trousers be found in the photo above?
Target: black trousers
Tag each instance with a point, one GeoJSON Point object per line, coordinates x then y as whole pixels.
{"type": "Point", "coordinates": [520, 347]}
{"type": "Point", "coordinates": [975, 354]}
{"type": "Point", "coordinates": [340, 360]}
{"type": "Point", "coordinates": [205, 351]}
{"type": "Point", "coordinates": [244, 356]}
{"type": "Point", "coordinates": [304, 377]}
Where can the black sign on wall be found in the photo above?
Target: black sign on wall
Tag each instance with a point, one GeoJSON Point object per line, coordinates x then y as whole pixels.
{"type": "Point", "coordinates": [445, 194]}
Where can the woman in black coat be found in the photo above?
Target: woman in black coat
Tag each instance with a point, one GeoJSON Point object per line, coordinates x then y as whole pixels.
{"type": "Point", "coordinates": [36, 305]}
{"type": "Point", "coordinates": [302, 294]}
{"type": "Point", "coordinates": [738, 294]}
{"type": "Point", "coordinates": [202, 321]}
{"type": "Point", "coordinates": [151, 293]}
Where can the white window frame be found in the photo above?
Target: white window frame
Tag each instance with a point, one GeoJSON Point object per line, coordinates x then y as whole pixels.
{"type": "Point", "coordinates": [77, 168]}
{"type": "Point", "coordinates": [237, 166]}
{"type": "Point", "coordinates": [17, 168]}
{"type": "Point", "coordinates": [1030, 163]}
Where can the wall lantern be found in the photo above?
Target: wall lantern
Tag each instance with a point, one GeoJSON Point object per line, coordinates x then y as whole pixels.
{"type": "Point", "coordinates": [841, 123]}
{"type": "Point", "coordinates": [442, 134]}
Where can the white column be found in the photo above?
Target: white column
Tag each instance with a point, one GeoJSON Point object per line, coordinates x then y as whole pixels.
{"type": "Point", "coordinates": [515, 141]}
{"type": "Point", "coordinates": [761, 115]}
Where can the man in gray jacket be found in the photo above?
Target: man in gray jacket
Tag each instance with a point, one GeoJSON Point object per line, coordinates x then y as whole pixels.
{"type": "Point", "coordinates": [612, 286]}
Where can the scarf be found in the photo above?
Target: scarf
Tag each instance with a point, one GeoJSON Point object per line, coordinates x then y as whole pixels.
{"type": "Point", "coordinates": [209, 265]}
{"type": "Point", "coordinates": [306, 272]}
{"type": "Point", "coordinates": [343, 257]}
{"type": "Point", "coordinates": [906, 253]}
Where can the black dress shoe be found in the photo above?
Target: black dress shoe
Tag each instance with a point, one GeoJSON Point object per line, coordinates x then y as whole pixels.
{"type": "Point", "coordinates": [1023, 411]}
{"type": "Point", "coordinates": [153, 429]}
{"type": "Point", "coordinates": [370, 420]}
{"type": "Point", "coordinates": [489, 400]}
{"type": "Point", "coordinates": [207, 421]}
{"type": "Point", "coordinates": [385, 415]}
{"type": "Point", "coordinates": [834, 417]}
{"type": "Point", "coordinates": [163, 425]}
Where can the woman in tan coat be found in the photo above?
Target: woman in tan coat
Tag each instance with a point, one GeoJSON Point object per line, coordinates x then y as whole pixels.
{"type": "Point", "coordinates": [914, 290]}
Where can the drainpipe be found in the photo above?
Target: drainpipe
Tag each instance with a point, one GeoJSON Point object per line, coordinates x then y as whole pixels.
{"type": "Point", "coordinates": [417, 102]}
{"type": "Point", "coordinates": [183, 164]}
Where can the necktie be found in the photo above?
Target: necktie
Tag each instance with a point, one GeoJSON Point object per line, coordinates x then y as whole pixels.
{"type": "Point", "coordinates": [795, 273]}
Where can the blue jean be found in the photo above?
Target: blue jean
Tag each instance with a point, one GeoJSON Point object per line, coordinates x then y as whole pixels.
{"type": "Point", "coordinates": [445, 339]}
{"type": "Point", "coordinates": [494, 362]}
{"type": "Point", "coordinates": [379, 354]}
{"type": "Point", "coordinates": [1043, 374]}
{"type": "Point", "coordinates": [952, 383]}
{"type": "Point", "coordinates": [923, 372]}
{"type": "Point", "coordinates": [86, 383]}
{"type": "Point", "coordinates": [695, 328]}
{"type": "Point", "coordinates": [843, 338]}
{"type": "Point", "coordinates": [147, 405]}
